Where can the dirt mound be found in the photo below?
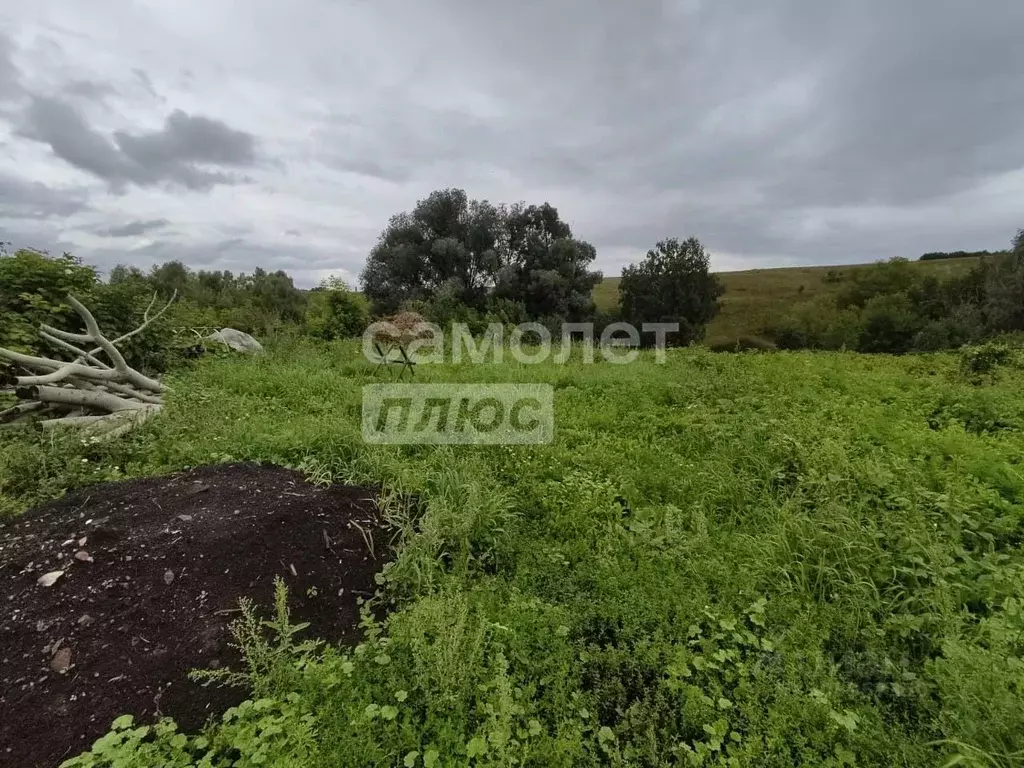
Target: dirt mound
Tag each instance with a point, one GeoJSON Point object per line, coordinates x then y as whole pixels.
{"type": "Point", "coordinates": [152, 573]}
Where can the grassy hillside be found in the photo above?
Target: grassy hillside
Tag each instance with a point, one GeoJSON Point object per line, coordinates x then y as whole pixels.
{"type": "Point", "coordinates": [755, 297]}
{"type": "Point", "coordinates": [801, 559]}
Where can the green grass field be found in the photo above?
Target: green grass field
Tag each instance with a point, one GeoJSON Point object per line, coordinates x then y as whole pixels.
{"type": "Point", "coordinates": [766, 560]}
{"type": "Point", "coordinates": [754, 298]}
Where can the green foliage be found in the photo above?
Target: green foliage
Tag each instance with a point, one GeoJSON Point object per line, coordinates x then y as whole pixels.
{"type": "Point", "coordinates": [889, 324]}
{"type": "Point", "coordinates": [984, 359]}
{"type": "Point", "coordinates": [696, 571]}
{"type": "Point", "coordinates": [33, 289]}
{"type": "Point", "coordinates": [819, 324]}
{"type": "Point", "coordinates": [544, 267]}
{"type": "Point", "coordinates": [672, 285]}
{"type": "Point", "coordinates": [451, 251]}
{"type": "Point", "coordinates": [446, 241]}
{"type": "Point", "coordinates": [261, 303]}
{"type": "Point", "coordinates": [898, 308]}
{"type": "Point", "coordinates": [257, 732]}
{"type": "Point", "coordinates": [883, 279]}
{"type": "Point", "coordinates": [272, 656]}
{"type": "Point", "coordinates": [335, 311]}
{"type": "Point", "coordinates": [129, 746]}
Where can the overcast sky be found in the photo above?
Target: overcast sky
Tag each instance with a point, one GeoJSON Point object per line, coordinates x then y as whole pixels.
{"type": "Point", "coordinates": [241, 133]}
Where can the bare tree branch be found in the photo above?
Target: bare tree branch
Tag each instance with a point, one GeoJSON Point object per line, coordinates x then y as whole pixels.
{"type": "Point", "coordinates": [67, 396]}
{"type": "Point", "coordinates": [107, 399]}
{"type": "Point", "coordinates": [81, 353]}
{"type": "Point", "coordinates": [18, 411]}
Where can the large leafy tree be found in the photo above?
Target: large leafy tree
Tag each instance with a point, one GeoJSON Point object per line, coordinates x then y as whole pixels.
{"type": "Point", "coordinates": [672, 284]}
{"type": "Point", "coordinates": [470, 252]}
{"type": "Point", "coordinates": [446, 242]}
{"type": "Point", "coordinates": [544, 267]}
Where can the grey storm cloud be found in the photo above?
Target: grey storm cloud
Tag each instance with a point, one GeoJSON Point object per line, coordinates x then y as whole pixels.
{"type": "Point", "coordinates": [837, 103]}
{"type": "Point", "coordinates": [778, 132]}
{"type": "Point", "coordinates": [21, 199]}
{"type": "Point", "coordinates": [173, 154]}
{"type": "Point", "coordinates": [133, 228]}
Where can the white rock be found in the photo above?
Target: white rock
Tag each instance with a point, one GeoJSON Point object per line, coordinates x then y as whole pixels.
{"type": "Point", "coordinates": [49, 579]}
{"type": "Point", "coordinates": [236, 340]}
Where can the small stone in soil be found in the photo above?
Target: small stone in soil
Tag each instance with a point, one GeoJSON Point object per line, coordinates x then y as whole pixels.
{"type": "Point", "coordinates": [61, 661]}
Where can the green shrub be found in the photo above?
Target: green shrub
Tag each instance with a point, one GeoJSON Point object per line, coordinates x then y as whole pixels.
{"type": "Point", "coordinates": [984, 359]}
{"type": "Point", "coordinates": [889, 324]}
{"type": "Point", "coordinates": [33, 289]}
{"type": "Point", "coordinates": [337, 312]}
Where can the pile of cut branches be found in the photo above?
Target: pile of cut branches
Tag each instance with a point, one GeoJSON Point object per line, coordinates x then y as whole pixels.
{"type": "Point", "coordinates": [106, 397]}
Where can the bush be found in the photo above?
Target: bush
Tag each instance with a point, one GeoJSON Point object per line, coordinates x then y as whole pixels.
{"type": "Point", "coordinates": [337, 312]}
{"type": "Point", "coordinates": [818, 324]}
{"type": "Point", "coordinates": [445, 310]}
{"type": "Point", "coordinates": [963, 326]}
{"type": "Point", "coordinates": [889, 324]}
{"type": "Point", "coordinates": [33, 289]}
{"type": "Point", "coordinates": [506, 311]}
{"type": "Point", "coordinates": [881, 279]}
{"type": "Point", "coordinates": [984, 358]}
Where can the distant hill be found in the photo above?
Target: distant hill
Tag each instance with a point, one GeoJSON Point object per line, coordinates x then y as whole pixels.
{"type": "Point", "coordinates": [755, 297]}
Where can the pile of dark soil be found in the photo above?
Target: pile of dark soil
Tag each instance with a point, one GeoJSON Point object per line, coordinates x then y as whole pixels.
{"type": "Point", "coordinates": [152, 571]}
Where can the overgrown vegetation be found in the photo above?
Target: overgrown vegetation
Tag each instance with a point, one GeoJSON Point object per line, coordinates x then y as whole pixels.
{"type": "Point", "coordinates": [898, 305]}
{"type": "Point", "coordinates": [756, 299]}
{"type": "Point", "coordinates": [805, 558]}
{"type": "Point", "coordinates": [34, 287]}
{"type": "Point", "coordinates": [893, 307]}
{"type": "Point", "coordinates": [697, 571]}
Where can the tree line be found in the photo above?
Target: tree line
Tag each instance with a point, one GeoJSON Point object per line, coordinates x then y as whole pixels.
{"type": "Point", "coordinates": [456, 259]}
{"type": "Point", "coordinates": [34, 286]}
{"type": "Point", "coordinates": [895, 307]}
{"type": "Point", "coordinates": [453, 259]}
{"type": "Point", "coordinates": [450, 258]}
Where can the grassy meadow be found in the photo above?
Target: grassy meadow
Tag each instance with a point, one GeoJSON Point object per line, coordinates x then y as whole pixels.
{"type": "Point", "coordinates": [755, 298]}
{"type": "Point", "coordinates": [748, 559]}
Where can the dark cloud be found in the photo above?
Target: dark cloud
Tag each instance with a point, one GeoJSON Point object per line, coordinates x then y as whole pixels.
{"type": "Point", "coordinates": [176, 154]}
{"type": "Point", "coordinates": [133, 228]}
{"type": "Point", "coordinates": [22, 199]}
{"type": "Point", "coordinates": [189, 139]}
